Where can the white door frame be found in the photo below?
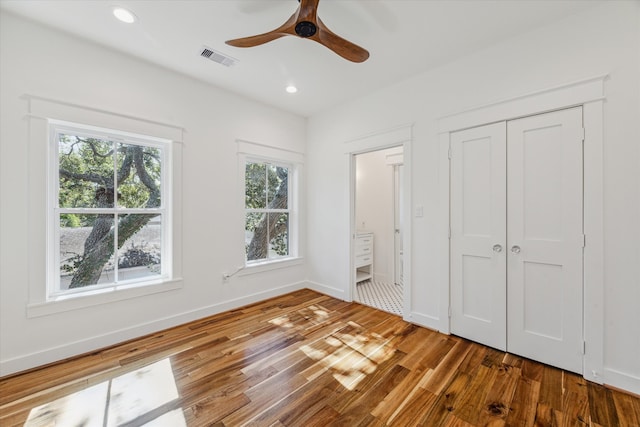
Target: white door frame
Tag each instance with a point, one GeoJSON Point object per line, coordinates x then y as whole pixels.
{"type": "Point", "coordinates": [394, 137]}
{"type": "Point", "coordinates": [398, 229]}
{"type": "Point", "coordinates": [590, 94]}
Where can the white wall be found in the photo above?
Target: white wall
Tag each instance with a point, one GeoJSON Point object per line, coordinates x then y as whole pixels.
{"type": "Point", "coordinates": [602, 40]}
{"type": "Point", "coordinates": [39, 61]}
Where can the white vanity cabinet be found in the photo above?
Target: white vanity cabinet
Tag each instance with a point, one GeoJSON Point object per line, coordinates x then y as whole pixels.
{"type": "Point", "coordinates": [364, 256]}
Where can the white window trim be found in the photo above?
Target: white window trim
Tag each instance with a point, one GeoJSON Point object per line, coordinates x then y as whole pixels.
{"type": "Point", "coordinates": [56, 127]}
{"type": "Point", "coordinates": [40, 111]}
{"type": "Point", "coordinates": [261, 153]}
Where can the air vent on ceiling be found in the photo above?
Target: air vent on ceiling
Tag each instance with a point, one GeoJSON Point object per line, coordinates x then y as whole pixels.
{"type": "Point", "coordinates": [215, 56]}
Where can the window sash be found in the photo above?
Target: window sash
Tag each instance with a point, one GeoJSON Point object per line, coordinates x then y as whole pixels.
{"type": "Point", "coordinates": [54, 290]}
{"type": "Point", "coordinates": [291, 171]}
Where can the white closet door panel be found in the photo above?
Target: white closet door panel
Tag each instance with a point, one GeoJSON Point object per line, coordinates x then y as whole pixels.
{"type": "Point", "coordinates": [478, 209]}
{"type": "Point", "coordinates": [544, 204]}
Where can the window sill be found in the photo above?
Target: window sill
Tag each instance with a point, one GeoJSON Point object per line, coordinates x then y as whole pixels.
{"type": "Point", "coordinates": [82, 300]}
{"type": "Point", "coordinates": [270, 265]}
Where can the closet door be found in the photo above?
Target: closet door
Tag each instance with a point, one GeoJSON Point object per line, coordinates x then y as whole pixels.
{"type": "Point", "coordinates": [545, 238]}
{"type": "Point", "coordinates": [478, 234]}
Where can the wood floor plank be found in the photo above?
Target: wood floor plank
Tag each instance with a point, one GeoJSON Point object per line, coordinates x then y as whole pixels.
{"type": "Point", "coordinates": [501, 391]}
{"type": "Point", "coordinates": [269, 392]}
{"type": "Point", "coordinates": [453, 421]}
{"type": "Point", "coordinates": [522, 410]}
{"type": "Point", "coordinates": [291, 406]}
{"type": "Point", "coordinates": [214, 408]}
{"type": "Point", "coordinates": [546, 415]}
{"type": "Point", "coordinates": [447, 402]}
{"type": "Point", "coordinates": [627, 408]}
{"type": "Point", "coordinates": [309, 405]}
{"type": "Point", "coordinates": [366, 397]}
{"type": "Point", "coordinates": [326, 416]}
{"type": "Point", "coordinates": [532, 370]}
{"type": "Point", "coordinates": [420, 404]}
{"type": "Point", "coordinates": [602, 406]}
{"type": "Point", "coordinates": [473, 397]}
{"type": "Point", "coordinates": [306, 359]}
{"type": "Point", "coordinates": [445, 370]}
{"type": "Point", "coordinates": [375, 384]}
{"type": "Point", "coordinates": [400, 396]}
{"type": "Point", "coordinates": [429, 353]}
{"type": "Point", "coordinates": [575, 404]}
{"type": "Point", "coordinates": [551, 388]}
{"type": "Point", "coordinates": [477, 353]}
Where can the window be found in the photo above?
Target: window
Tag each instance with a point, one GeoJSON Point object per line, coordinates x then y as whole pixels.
{"type": "Point", "coordinates": [268, 213]}
{"type": "Point", "coordinates": [109, 222]}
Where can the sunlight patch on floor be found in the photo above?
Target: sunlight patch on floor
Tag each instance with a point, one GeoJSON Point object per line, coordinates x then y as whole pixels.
{"type": "Point", "coordinates": [139, 396]}
{"type": "Point", "coordinates": [84, 408]}
{"type": "Point", "coordinates": [282, 321]}
{"type": "Point", "coordinates": [354, 356]}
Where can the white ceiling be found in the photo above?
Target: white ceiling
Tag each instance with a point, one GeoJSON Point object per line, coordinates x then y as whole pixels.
{"type": "Point", "coordinates": [404, 37]}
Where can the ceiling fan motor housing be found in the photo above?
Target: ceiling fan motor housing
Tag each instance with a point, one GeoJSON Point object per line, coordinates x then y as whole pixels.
{"type": "Point", "coordinates": [305, 29]}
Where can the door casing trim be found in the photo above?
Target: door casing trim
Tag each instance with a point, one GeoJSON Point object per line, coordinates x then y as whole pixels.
{"type": "Point", "coordinates": [590, 94]}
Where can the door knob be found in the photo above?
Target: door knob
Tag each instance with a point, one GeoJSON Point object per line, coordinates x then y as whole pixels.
{"type": "Point", "coordinates": [497, 248]}
{"type": "Point", "coordinates": [515, 249]}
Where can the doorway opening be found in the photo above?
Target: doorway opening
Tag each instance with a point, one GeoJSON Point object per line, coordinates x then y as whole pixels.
{"type": "Point", "coordinates": [378, 214]}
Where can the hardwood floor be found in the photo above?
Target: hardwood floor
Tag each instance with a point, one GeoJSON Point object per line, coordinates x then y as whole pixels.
{"type": "Point", "coordinates": [305, 359]}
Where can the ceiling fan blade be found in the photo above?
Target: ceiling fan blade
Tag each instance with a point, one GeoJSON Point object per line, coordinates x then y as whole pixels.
{"type": "Point", "coordinates": [307, 10]}
{"type": "Point", "coordinates": [255, 40]}
{"type": "Point", "coordinates": [288, 28]}
{"type": "Point", "coordinates": [342, 47]}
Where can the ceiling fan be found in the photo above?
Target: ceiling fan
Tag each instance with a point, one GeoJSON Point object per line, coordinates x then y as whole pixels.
{"type": "Point", "coordinates": [305, 23]}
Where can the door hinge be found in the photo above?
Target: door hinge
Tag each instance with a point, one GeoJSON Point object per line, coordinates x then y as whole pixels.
{"type": "Point", "coordinates": [449, 311]}
{"type": "Point", "coordinates": [449, 233]}
{"type": "Point", "coordinates": [584, 240]}
{"type": "Point", "coordinates": [584, 133]}
{"type": "Point", "coordinates": [584, 347]}
{"type": "Point", "coordinates": [449, 153]}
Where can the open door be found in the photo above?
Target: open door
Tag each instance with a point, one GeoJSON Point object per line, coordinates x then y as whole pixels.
{"type": "Point", "coordinates": [397, 224]}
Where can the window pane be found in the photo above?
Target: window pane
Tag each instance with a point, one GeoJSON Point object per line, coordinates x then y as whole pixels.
{"type": "Point", "coordinates": [277, 188]}
{"type": "Point", "coordinates": [139, 255]}
{"type": "Point", "coordinates": [139, 175]}
{"type": "Point", "coordinates": [86, 250]}
{"type": "Point", "coordinates": [255, 186]}
{"type": "Point", "coordinates": [279, 234]}
{"type": "Point", "coordinates": [86, 172]}
{"type": "Point", "coordinates": [255, 236]}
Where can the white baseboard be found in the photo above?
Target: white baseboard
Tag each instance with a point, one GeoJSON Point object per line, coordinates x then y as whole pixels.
{"type": "Point", "coordinates": [622, 380]}
{"type": "Point", "coordinates": [53, 354]}
{"type": "Point", "coordinates": [328, 290]}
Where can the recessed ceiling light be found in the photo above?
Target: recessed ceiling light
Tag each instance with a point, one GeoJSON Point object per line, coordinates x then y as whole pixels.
{"type": "Point", "coordinates": [291, 89]}
{"type": "Point", "coordinates": [124, 15]}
